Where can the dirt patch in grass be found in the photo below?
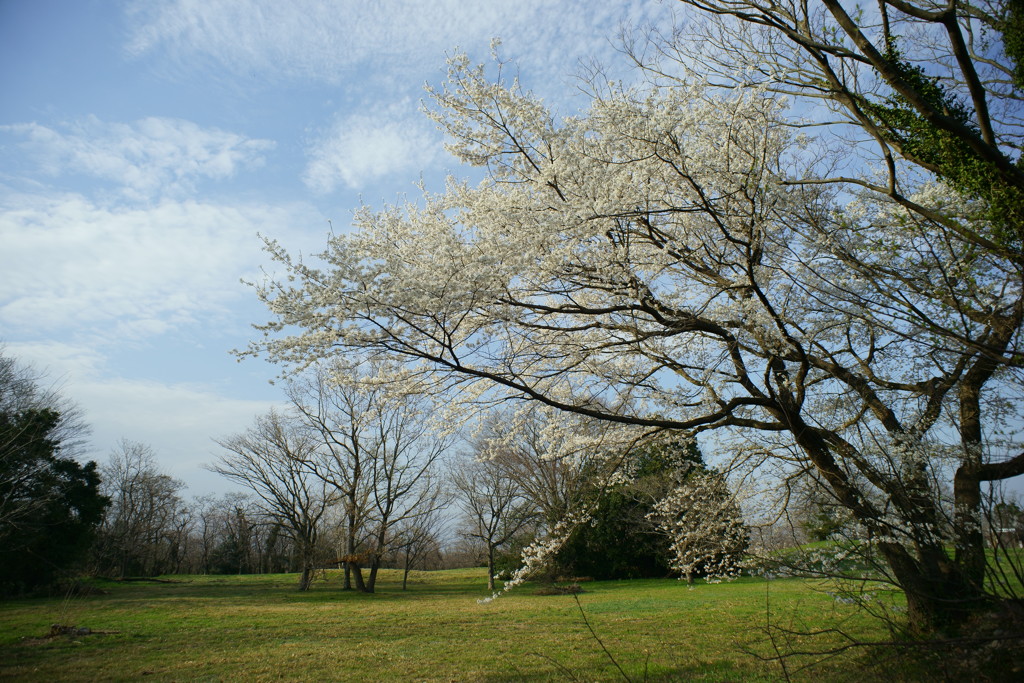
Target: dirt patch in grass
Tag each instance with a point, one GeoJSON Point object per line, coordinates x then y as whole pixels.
{"type": "Point", "coordinates": [64, 631]}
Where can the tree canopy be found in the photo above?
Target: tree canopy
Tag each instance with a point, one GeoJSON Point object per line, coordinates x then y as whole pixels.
{"type": "Point", "coordinates": [694, 253]}
{"type": "Point", "coordinates": [50, 504]}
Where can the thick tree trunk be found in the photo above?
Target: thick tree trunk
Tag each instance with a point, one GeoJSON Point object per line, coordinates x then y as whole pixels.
{"type": "Point", "coordinates": [371, 580]}
{"type": "Point", "coordinates": [970, 541]}
{"type": "Point", "coordinates": [306, 577]}
{"type": "Point", "coordinates": [357, 574]}
{"type": "Point", "coordinates": [939, 595]}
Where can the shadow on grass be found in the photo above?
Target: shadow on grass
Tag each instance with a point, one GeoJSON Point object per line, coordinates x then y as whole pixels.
{"type": "Point", "coordinates": [280, 586]}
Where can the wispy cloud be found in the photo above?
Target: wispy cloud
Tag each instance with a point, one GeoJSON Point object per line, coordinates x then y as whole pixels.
{"type": "Point", "coordinates": [126, 273]}
{"type": "Point", "coordinates": [56, 361]}
{"type": "Point", "coordinates": [179, 420]}
{"type": "Point", "coordinates": [323, 40]}
{"type": "Point", "coordinates": [145, 159]}
{"type": "Point", "coordinates": [361, 149]}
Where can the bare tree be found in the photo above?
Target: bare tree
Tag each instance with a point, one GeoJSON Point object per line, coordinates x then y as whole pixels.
{"type": "Point", "coordinates": [495, 505]}
{"type": "Point", "coordinates": [341, 415]}
{"type": "Point", "coordinates": [141, 533]}
{"type": "Point", "coordinates": [270, 460]}
{"type": "Point", "coordinates": [416, 538]}
{"type": "Point", "coordinates": [380, 455]}
{"type": "Point", "coordinates": [404, 473]}
{"type": "Point", "coordinates": [230, 535]}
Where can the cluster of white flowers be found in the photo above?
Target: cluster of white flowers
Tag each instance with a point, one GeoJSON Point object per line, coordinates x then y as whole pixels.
{"type": "Point", "coordinates": [495, 278]}
{"type": "Point", "coordinates": [669, 260]}
{"type": "Point", "coordinates": [538, 555]}
{"type": "Point", "coordinates": [705, 526]}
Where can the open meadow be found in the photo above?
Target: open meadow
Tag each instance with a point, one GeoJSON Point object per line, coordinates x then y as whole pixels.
{"type": "Point", "coordinates": [260, 628]}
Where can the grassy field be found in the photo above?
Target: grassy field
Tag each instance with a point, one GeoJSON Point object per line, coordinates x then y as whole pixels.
{"type": "Point", "coordinates": [258, 628]}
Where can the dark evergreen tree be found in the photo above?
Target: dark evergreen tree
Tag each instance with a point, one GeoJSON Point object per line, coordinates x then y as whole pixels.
{"type": "Point", "coordinates": [51, 504]}
{"type": "Point", "coordinates": [621, 541]}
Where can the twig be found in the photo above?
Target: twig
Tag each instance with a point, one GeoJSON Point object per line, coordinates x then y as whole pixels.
{"type": "Point", "coordinates": [594, 634]}
{"type": "Point", "coordinates": [771, 636]}
{"type": "Point", "coordinates": [561, 667]}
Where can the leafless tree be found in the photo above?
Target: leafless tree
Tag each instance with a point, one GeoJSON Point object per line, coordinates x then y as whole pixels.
{"type": "Point", "coordinates": [495, 505]}
{"type": "Point", "coordinates": [230, 534]}
{"type": "Point", "coordinates": [341, 416]}
{"type": "Point", "coordinates": [143, 527]}
{"type": "Point", "coordinates": [416, 538]}
{"type": "Point", "coordinates": [270, 459]}
{"type": "Point", "coordinates": [380, 452]}
{"type": "Point", "coordinates": [404, 474]}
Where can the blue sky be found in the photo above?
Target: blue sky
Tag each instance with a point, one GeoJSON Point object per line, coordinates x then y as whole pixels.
{"type": "Point", "coordinates": [144, 146]}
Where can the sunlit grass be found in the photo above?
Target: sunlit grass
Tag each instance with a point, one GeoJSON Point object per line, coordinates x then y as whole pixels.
{"type": "Point", "coordinates": [260, 628]}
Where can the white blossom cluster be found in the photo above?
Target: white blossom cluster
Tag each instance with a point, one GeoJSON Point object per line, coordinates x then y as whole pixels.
{"type": "Point", "coordinates": [671, 259]}
{"type": "Point", "coordinates": [538, 555]}
{"type": "Point", "coordinates": [705, 525]}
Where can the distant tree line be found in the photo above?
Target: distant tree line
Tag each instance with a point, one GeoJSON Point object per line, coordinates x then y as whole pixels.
{"type": "Point", "coordinates": [357, 477]}
{"type": "Point", "coordinates": [60, 518]}
{"type": "Point", "coordinates": [352, 475]}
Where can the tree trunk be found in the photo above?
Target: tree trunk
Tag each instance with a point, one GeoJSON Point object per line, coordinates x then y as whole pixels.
{"type": "Point", "coordinates": [357, 574]}
{"type": "Point", "coordinates": [306, 577]}
{"type": "Point", "coordinates": [970, 541]}
{"type": "Point", "coordinates": [408, 565]}
{"type": "Point", "coordinates": [350, 547]}
{"type": "Point", "coordinates": [371, 580]}
{"type": "Point", "coordinates": [940, 597]}
{"type": "Point", "coordinates": [490, 567]}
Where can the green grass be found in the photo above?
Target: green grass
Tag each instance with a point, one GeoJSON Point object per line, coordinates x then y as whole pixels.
{"type": "Point", "coordinates": [258, 628]}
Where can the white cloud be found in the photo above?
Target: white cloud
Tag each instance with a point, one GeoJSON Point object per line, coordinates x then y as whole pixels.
{"type": "Point", "coordinates": [71, 265]}
{"type": "Point", "coordinates": [151, 157]}
{"type": "Point", "coordinates": [178, 421]}
{"type": "Point", "coordinates": [86, 285]}
{"type": "Point", "coordinates": [56, 361]}
{"type": "Point", "coordinates": [361, 149]}
{"type": "Point", "coordinates": [324, 40]}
